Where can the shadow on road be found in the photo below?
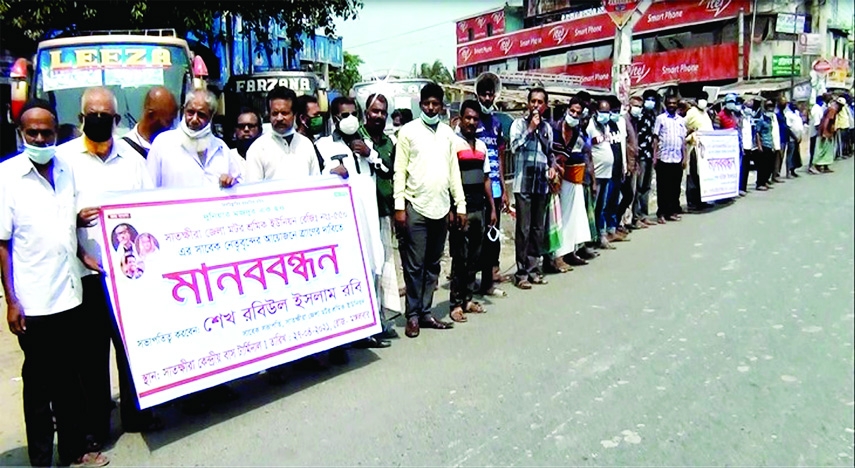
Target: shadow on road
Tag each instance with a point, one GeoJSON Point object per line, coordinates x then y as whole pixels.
{"type": "Point", "coordinates": [15, 457]}
{"type": "Point", "coordinates": [254, 392]}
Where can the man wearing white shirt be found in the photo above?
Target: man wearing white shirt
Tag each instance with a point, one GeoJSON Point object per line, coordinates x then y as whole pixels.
{"type": "Point", "coordinates": [41, 282]}
{"type": "Point", "coordinates": [247, 130]}
{"type": "Point", "coordinates": [103, 166]}
{"type": "Point", "coordinates": [795, 128]}
{"type": "Point", "coordinates": [191, 156]}
{"type": "Point", "coordinates": [159, 112]}
{"type": "Point", "coordinates": [282, 153]}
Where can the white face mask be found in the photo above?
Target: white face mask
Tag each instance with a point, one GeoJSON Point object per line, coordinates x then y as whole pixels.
{"type": "Point", "coordinates": [487, 110]}
{"type": "Point", "coordinates": [430, 120]}
{"type": "Point", "coordinates": [702, 104]}
{"type": "Point", "coordinates": [349, 125]}
{"type": "Point", "coordinates": [195, 141]}
{"type": "Point", "coordinates": [635, 111]}
{"type": "Point", "coordinates": [39, 154]}
{"type": "Point", "coordinates": [570, 120]}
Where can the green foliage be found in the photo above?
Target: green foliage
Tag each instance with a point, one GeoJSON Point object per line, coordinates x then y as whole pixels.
{"type": "Point", "coordinates": [436, 72]}
{"type": "Point", "coordinates": [25, 22]}
{"type": "Point", "coordinates": [344, 78]}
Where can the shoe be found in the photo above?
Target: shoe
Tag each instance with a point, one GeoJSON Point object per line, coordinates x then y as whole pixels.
{"type": "Point", "coordinates": [742, 193]}
{"type": "Point", "coordinates": [575, 260]}
{"type": "Point", "coordinates": [429, 321]}
{"type": "Point", "coordinates": [537, 279]}
{"type": "Point", "coordinates": [371, 342]}
{"type": "Point", "coordinates": [811, 170]}
{"type": "Point", "coordinates": [793, 173]}
{"type": "Point", "coordinates": [412, 328]}
{"type": "Point", "coordinates": [524, 285]}
{"type": "Point", "coordinates": [587, 253]}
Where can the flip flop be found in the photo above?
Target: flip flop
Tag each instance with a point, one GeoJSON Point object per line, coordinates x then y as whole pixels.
{"type": "Point", "coordinates": [91, 460]}
{"type": "Point", "coordinates": [475, 308]}
{"type": "Point", "coordinates": [456, 315]}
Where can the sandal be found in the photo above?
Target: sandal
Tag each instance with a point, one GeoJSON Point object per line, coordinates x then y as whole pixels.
{"type": "Point", "coordinates": [498, 279]}
{"type": "Point", "coordinates": [539, 280]}
{"type": "Point", "coordinates": [524, 284]}
{"type": "Point", "coordinates": [475, 308]}
{"type": "Point", "coordinates": [457, 315]}
{"type": "Point", "coordinates": [91, 460]}
{"type": "Point", "coordinates": [495, 292]}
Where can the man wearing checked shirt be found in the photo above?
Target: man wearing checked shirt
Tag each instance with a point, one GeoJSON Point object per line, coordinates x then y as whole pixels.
{"type": "Point", "coordinates": [669, 160]}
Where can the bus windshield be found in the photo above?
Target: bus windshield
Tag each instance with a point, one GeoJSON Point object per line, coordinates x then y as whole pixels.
{"type": "Point", "coordinates": [62, 74]}
{"type": "Point", "coordinates": [401, 94]}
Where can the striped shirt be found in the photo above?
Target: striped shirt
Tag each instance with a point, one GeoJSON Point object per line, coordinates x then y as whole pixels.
{"type": "Point", "coordinates": [532, 156]}
{"type": "Point", "coordinates": [474, 164]}
{"type": "Point", "coordinates": [671, 132]}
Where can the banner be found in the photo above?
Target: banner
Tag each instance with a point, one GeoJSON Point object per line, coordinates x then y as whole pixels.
{"type": "Point", "coordinates": [718, 164]}
{"type": "Point", "coordinates": [207, 287]}
{"type": "Point", "coordinates": [784, 65]}
{"type": "Point", "coordinates": [479, 26]}
{"type": "Point", "coordinates": [620, 10]}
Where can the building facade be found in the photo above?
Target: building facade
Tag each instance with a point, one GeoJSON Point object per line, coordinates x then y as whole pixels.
{"type": "Point", "coordinates": [689, 43]}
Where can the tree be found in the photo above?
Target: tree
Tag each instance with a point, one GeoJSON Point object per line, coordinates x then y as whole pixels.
{"type": "Point", "coordinates": [436, 72]}
{"type": "Point", "coordinates": [348, 75]}
{"type": "Point", "coordinates": [25, 22]}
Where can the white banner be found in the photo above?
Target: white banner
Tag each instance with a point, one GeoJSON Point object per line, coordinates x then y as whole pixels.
{"type": "Point", "coordinates": [718, 164]}
{"type": "Point", "coordinates": [208, 286]}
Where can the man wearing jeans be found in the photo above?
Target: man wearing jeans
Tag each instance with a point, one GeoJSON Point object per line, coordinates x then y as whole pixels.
{"type": "Point", "coordinates": [426, 171]}
{"type": "Point", "coordinates": [531, 139]}
{"type": "Point", "coordinates": [643, 116]}
{"type": "Point", "coordinates": [669, 133]}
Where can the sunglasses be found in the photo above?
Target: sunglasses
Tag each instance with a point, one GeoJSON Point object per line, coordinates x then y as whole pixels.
{"type": "Point", "coordinates": [345, 115]}
{"type": "Point", "coordinates": [246, 126]}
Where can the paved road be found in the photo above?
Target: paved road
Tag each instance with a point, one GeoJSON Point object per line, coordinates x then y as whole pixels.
{"type": "Point", "coordinates": [725, 339]}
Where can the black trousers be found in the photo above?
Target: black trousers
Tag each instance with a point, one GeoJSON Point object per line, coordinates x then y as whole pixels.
{"type": "Point", "coordinates": [465, 247]}
{"type": "Point", "coordinates": [96, 381]}
{"type": "Point", "coordinates": [764, 160]}
{"type": "Point", "coordinates": [668, 179]}
{"type": "Point", "coordinates": [420, 246]}
{"type": "Point", "coordinates": [490, 251]}
{"type": "Point", "coordinates": [693, 182]}
{"type": "Point", "coordinates": [642, 189]}
{"type": "Point", "coordinates": [531, 219]}
{"type": "Point", "coordinates": [627, 196]}
{"type": "Point", "coordinates": [53, 386]}
{"type": "Point", "coordinates": [744, 166]}
{"type": "Point", "coordinates": [812, 148]}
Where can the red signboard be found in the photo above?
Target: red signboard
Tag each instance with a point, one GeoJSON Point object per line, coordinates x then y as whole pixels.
{"type": "Point", "coordinates": [620, 10]}
{"type": "Point", "coordinates": [681, 13]}
{"type": "Point", "coordinates": [534, 40]}
{"type": "Point", "coordinates": [685, 65]}
{"type": "Point", "coordinates": [821, 66]}
{"type": "Point", "coordinates": [661, 15]}
{"type": "Point", "coordinates": [479, 26]}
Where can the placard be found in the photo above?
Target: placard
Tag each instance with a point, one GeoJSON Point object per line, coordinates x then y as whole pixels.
{"type": "Point", "coordinates": [718, 164]}
{"type": "Point", "coordinates": [208, 286]}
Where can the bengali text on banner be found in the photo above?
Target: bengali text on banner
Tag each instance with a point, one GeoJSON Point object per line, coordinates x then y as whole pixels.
{"type": "Point", "coordinates": [718, 164]}
{"type": "Point", "coordinates": [208, 287]}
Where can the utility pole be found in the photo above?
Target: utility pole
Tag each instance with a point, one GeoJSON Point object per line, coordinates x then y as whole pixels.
{"type": "Point", "coordinates": [622, 56]}
{"type": "Point", "coordinates": [793, 56]}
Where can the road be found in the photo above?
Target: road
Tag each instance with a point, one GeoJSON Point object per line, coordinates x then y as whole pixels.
{"type": "Point", "coordinates": [725, 339]}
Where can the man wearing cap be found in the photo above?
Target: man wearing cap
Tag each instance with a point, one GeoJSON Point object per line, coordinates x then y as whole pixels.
{"type": "Point", "coordinates": [42, 289]}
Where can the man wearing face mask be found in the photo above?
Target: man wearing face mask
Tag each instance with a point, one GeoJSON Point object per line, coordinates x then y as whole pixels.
{"type": "Point", "coordinates": [669, 150]}
{"type": "Point", "coordinates": [602, 134]}
{"type": "Point", "coordinates": [190, 155]}
{"type": "Point", "coordinates": [748, 138]}
{"type": "Point", "coordinates": [310, 122]}
{"type": "Point", "coordinates": [697, 120]}
{"type": "Point", "coordinates": [641, 122]}
{"type": "Point", "coordinates": [426, 180]}
{"type": "Point", "coordinates": [489, 131]}
{"type": "Point", "coordinates": [247, 129]}
{"type": "Point", "coordinates": [623, 176]}
{"type": "Point", "coordinates": [102, 163]}
{"type": "Point", "coordinates": [42, 289]}
{"type": "Point", "coordinates": [159, 112]}
{"type": "Point", "coordinates": [283, 152]}
{"type": "Point", "coordinates": [347, 154]}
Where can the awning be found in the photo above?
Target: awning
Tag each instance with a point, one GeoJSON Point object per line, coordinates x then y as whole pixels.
{"type": "Point", "coordinates": [762, 85]}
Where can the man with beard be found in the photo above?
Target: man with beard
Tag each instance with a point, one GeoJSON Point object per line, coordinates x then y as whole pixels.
{"type": "Point", "coordinates": [102, 164]}
{"type": "Point", "coordinates": [247, 129]}
{"type": "Point", "coordinates": [191, 156]}
{"type": "Point", "coordinates": [376, 110]}
{"type": "Point", "coordinates": [159, 112]}
{"type": "Point", "coordinates": [347, 154]}
{"type": "Point", "coordinates": [489, 131]}
{"type": "Point", "coordinates": [41, 285]}
{"type": "Point", "coordinates": [465, 243]}
{"type": "Point", "coordinates": [283, 153]}
{"type": "Point", "coordinates": [426, 179]}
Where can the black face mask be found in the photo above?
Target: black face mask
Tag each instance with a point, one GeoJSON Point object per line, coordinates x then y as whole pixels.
{"type": "Point", "coordinates": [243, 145]}
{"type": "Point", "coordinates": [98, 127]}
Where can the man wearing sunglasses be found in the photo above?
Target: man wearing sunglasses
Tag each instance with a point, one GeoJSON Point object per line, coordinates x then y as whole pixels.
{"type": "Point", "coordinates": [247, 129]}
{"type": "Point", "coordinates": [102, 163]}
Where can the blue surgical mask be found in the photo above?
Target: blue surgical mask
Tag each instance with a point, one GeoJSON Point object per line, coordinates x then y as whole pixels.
{"type": "Point", "coordinates": [731, 106]}
{"type": "Point", "coordinates": [430, 120]}
{"type": "Point", "coordinates": [39, 154]}
{"type": "Point", "coordinates": [585, 113]}
{"type": "Point", "coordinates": [614, 116]}
{"type": "Point", "coordinates": [603, 118]}
{"type": "Point", "coordinates": [649, 104]}
{"type": "Point", "coordinates": [570, 120]}
{"type": "Point", "coordinates": [739, 108]}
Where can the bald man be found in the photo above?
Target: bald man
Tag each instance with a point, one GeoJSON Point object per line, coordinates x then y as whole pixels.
{"type": "Point", "coordinates": [100, 163]}
{"type": "Point", "coordinates": [159, 112]}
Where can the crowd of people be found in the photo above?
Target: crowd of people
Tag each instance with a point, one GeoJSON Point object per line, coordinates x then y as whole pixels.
{"type": "Point", "coordinates": [581, 183]}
